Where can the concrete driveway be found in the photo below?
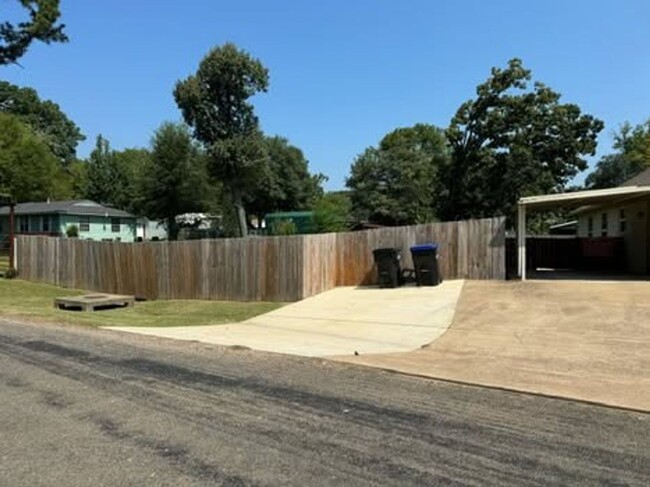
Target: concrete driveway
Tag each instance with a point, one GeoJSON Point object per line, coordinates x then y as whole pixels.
{"type": "Point", "coordinates": [576, 339]}
{"type": "Point", "coordinates": [338, 322]}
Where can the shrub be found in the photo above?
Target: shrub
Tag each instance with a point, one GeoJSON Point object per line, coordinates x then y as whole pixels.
{"type": "Point", "coordinates": [332, 213]}
{"type": "Point", "coordinates": [11, 273]}
{"type": "Point", "coordinates": [285, 227]}
{"type": "Point", "coordinates": [72, 231]}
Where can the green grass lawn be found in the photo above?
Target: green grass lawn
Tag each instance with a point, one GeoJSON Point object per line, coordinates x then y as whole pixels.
{"type": "Point", "coordinates": [36, 301]}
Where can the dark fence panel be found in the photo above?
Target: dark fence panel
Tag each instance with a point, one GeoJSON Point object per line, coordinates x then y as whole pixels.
{"type": "Point", "coordinates": [565, 252]}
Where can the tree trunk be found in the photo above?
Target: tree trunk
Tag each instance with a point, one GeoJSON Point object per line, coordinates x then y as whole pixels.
{"type": "Point", "coordinates": [172, 228]}
{"type": "Point", "coordinates": [238, 203]}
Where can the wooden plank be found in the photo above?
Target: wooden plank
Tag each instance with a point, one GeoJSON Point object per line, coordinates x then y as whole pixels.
{"type": "Point", "coordinates": [265, 268]}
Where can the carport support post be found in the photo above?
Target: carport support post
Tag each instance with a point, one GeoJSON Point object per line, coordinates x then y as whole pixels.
{"type": "Point", "coordinates": [521, 241]}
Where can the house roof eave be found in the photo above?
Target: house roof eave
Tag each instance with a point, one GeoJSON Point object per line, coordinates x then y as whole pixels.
{"type": "Point", "coordinates": [578, 199]}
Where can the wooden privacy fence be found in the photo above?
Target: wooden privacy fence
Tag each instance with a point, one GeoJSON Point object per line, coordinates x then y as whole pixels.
{"type": "Point", "coordinates": [256, 269]}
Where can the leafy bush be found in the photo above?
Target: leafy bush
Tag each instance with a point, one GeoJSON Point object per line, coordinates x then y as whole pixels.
{"type": "Point", "coordinates": [284, 227]}
{"type": "Point", "coordinates": [72, 231]}
{"type": "Point", "coordinates": [332, 213]}
{"type": "Point", "coordinates": [11, 273]}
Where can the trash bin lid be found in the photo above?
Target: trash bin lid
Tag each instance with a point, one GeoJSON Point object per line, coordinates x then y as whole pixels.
{"type": "Point", "coordinates": [424, 247]}
{"type": "Point", "coordinates": [387, 252]}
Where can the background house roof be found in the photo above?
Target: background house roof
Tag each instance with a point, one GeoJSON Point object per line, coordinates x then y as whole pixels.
{"type": "Point", "coordinates": [641, 179]}
{"type": "Point", "coordinates": [74, 207]}
{"type": "Point", "coordinates": [290, 214]}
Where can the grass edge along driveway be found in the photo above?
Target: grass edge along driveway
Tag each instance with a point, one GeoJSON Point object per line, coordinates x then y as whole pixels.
{"type": "Point", "coordinates": [22, 299]}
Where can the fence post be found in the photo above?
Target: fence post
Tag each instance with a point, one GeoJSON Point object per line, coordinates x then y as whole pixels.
{"type": "Point", "coordinates": [12, 235]}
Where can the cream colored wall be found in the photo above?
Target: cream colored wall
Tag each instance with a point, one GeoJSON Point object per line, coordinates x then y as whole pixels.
{"type": "Point", "coordinates": [636, 240]}
{"type": "Point", "coordinates": [637, 234]}
{"type": "Point", "coordinates": [613, 221]}
{"type": "Point", "coordinates": [647, 234]}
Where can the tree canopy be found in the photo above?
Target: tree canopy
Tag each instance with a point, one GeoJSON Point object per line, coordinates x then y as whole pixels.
{"type": "Point", "coordinates": [130, 165]}
{"type": "Point", "coordinates": [175, 181]}
{"type": "Point", "coordinates": [45, 118]}
{"type": "Point", "coordinates": [512, 140]}
{"type": "Point", "coordinates": [332, 212]}
{"type": "Point", "coordinates": [112, 177]}
{"type": "Point", "coordinates": [42, 25]}
{"type": "Point", "coordinates": [28, 170]}
{"type": "Point", "coordinates": [631, 156]}
{"type": "Point", "coordinates": [101, 173]}
{"type": "Point", "coordinates": [395, 183]}
{"type": "Point", "coordinates": [215, 102]}
{"type": "Point", "coordinates": [286, 183]}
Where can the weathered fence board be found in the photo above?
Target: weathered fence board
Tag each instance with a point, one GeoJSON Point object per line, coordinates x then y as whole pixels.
{"type": "Point", "coordinates": [259, 268]}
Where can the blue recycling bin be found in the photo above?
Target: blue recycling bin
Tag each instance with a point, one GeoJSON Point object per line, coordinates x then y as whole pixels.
{"type": "Point", "coordinates": [425, 261]}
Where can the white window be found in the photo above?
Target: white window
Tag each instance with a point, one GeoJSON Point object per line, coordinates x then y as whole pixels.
{"type": "Point", "coordinates": [590, 226]}
{"type": "Point", "coordinates": [84, 224]}
{"type": "Point", "coordinates": [603, 224]}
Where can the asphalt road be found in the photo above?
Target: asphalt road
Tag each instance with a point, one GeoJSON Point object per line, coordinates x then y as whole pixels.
{"type": "Point", "coordinates": [88, 407]}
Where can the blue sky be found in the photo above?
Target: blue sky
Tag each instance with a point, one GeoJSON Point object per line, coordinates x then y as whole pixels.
{"type": "Point", "coordinates": [343, 73]}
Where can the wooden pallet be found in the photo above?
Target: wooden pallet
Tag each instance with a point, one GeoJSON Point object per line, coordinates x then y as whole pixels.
{"type": "Point", "coordinates": [93, 302]}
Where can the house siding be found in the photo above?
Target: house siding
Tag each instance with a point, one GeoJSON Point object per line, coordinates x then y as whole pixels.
{"type": "Point", "coordinates": [636, 235]}
{"type": "Point", "coordinates": [33, 224]}
{"type": "Point", "coordinates": [647, 235]}
{"type": "Point", "coordinates": [149, 229]}
{"type": "Point", "coordinates": [100, 227]}
{"type": "Point", "coordinates": [613, 222]}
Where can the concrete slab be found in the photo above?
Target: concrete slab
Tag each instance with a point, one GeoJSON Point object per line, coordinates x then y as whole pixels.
{"type": "Point", "coordinates": [93, 302]}
{"type": "Point", "coordinates": [577, 339]}
{"type": "Point", "coordinates": [338, 322]}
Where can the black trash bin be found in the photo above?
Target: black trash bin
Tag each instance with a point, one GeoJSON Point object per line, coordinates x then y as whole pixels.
{"type": "Point", "coordinates": [389, 271]}
{"type": "Point", "coordinates": [425, 261]}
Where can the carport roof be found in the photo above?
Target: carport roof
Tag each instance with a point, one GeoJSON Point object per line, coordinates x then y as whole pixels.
{"type": "Point", "coordinates": [582, 198]}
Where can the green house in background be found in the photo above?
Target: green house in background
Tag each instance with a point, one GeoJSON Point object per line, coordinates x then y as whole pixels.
{"type": "Point", "coordinates": [303, 221]}
{"type": "Point", "coordinates": [94, 221]}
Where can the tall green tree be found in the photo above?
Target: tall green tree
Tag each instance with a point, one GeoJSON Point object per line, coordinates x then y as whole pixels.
{"type": "Point", "coordinates": [394, 184]}
{"type": "Point", "coordinates": [176, 180]}
{"type": "Point", "coordinates": [113, 177]}
{"type": "Point", "coordinates": [215, 102]}
{"type": "Point", "coordinates": [28, 169]}
{"type": "Point", "coordinates": [41, 25]}
{"type": "Point", "coordinates": [101, 174]}
{"type": "Point", "coordinates": [45, 118]}
{"type": "Point", "coordinates": [631, 156]}
{"type": "Point", "coordinates": [512, 140]}
{"type": "Point", "coordinates": [130, 166]}
{"type": "Point", "coordinates": [287, 184]}
{"type": "Point", "coordinates": [76, 177]}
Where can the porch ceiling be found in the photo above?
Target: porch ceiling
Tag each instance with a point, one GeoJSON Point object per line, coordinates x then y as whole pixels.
{"type": "Point", "coordinates": [584, 198]}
